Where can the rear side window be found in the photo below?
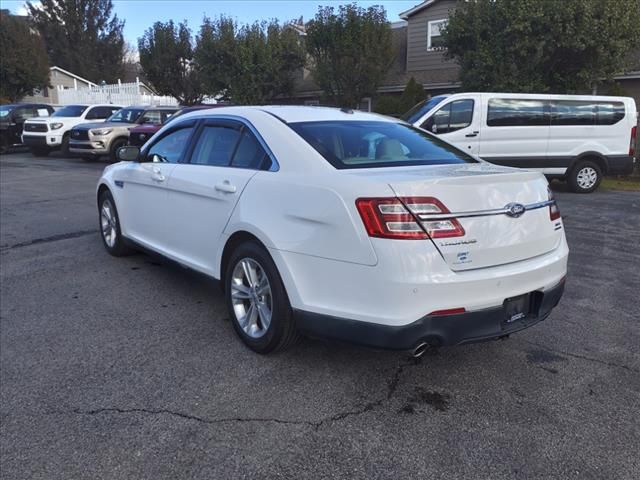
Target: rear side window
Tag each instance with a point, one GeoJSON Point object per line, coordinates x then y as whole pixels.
{"type": "Point", "coordinates": [371, 144]}
{"type": "Point", "coordinates": [517, 113]}
{"type": "Point", "coordinates": [249, 153]}
{"type": "Point", "coordinates": [453, 116]}
{"type": "Point", "coordinates": [215, 146]}
{"type": "Point", "coordinates": [574, 112]}
{"type": "Point", "coordinates": [609, 113]}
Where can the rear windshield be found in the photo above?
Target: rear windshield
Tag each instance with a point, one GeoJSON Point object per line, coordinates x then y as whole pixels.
{"type": "Point", "coordinates": [70, 111]}
{"type": "Point", "coordinates": [419, 109]}
{"type": "Point", "coordinates": [371, 144]}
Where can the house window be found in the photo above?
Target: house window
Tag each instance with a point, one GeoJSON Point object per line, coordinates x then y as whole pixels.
{"type": "Point", "coordinates": [434, 34]}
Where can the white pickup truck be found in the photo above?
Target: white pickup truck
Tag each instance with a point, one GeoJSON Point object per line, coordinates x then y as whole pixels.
{"type": "Point", "coordinates": [42, 135]}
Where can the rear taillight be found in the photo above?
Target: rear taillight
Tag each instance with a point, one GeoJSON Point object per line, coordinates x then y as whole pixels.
{"type": "Point", "coordinates": [398, 218]}
{"type": "Point", "coordinates": [632, 142]}
{"type": "Point", "coordinates": [554, 210]}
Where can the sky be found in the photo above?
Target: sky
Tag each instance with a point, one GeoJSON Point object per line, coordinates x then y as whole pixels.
{"type": "Point", "coordinates": [141, 14]}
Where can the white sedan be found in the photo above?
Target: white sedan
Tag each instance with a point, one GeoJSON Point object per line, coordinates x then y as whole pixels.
{"type": "Point", "coordinates": [340, 224]}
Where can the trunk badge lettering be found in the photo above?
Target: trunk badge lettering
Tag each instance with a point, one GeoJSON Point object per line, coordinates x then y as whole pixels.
{"type": "Point", "coordinates": [514, 210]}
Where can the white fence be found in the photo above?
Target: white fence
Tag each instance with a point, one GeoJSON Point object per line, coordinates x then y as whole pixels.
{"type": "Point", "coordinates": [118, 94]}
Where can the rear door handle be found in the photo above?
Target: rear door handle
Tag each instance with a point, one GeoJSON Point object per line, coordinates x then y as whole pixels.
{"type": "Point", "coordinates": [157, 176]}
{"type": "Point", "coordinates": [225, 187]}
{"type": "Point", "coordinates": [472, 134]}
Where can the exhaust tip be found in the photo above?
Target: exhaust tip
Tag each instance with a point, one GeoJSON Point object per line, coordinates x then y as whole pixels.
{"type": "Point", "coordinates": [420, 350]}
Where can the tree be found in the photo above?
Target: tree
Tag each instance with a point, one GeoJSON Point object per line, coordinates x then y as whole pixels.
{"type": "Point", "coordinates": [23, 66]}
{"type": "Point", "coordinates": [82, 36]}
{"type": "Point", "coordinates": [167, 59]}
{"type": "Point", "coordinates": [351, 51]}
{"type": "Point", "coordinates": [534, 46]}
{"type": "Point", "coordinates": [412, 94]}
{"type": "Point", "coordinates": [216, 54]}
{"type": "Point", "coordinates": [252, 64]}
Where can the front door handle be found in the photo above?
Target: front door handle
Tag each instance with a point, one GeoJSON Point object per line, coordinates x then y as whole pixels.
{"type": "Point", "coordinates": [226, 187]}
{"type": "Point", "coordinates": [157, 176]}
{"type": "Point", "coordinates": [472, 134]}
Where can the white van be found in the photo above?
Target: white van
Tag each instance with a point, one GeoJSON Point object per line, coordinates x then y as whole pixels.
{"type": "Point", "coordinates": [578, 138]}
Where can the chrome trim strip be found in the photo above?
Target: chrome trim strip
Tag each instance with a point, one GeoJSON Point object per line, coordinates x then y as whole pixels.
{"type": "Point", "coordinates": [481, 213]}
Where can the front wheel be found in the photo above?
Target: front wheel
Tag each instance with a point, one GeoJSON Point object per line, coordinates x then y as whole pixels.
{"type": "Point", "coordinates": [117, 144]}
{"type": "Point", "coordinates": [110, 226]}
{"type": "Point", "coordinates": [257, 300]}
{"type": "Point", "coordinates": [585, 177]}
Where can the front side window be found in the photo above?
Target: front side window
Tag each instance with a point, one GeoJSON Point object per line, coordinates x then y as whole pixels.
{"type": "Point", "coordinates": [215, 146]}
{"type": "Point", "coordinates": [453, 116]}
{"type": "Point", "coordinates": [126, 115]}
{"type": "Point", "coordinates": [517, 113]}
{"type": "Point", "coordinates": [435, 40]}
{"type": "Point", "coordinates": [419, 109]}
{"type": "Point", "coordinates": [171, 147]}
{"type": "Point", "coordinates": [372, 144]}
{"type": "Point", "coordinates": [70, 111]}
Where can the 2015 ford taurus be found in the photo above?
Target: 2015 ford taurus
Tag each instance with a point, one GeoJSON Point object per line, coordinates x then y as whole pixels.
{"type": "Point", "coordinates": [340, 224]}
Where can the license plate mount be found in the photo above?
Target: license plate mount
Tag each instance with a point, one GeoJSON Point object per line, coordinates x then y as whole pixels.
{"type": "Point", "coordinates": [516, 309]}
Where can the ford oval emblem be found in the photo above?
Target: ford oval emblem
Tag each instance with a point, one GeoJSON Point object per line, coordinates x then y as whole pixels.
{"type": "Point", "coordinates": [514, 210]}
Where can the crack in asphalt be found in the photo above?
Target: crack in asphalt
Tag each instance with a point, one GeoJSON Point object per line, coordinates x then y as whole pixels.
{"type": "Point", "coordinates": [392, 386]}
{"type": "Point", "coordinates": [583, 357]}
{"type": "Point", "coordinates": [52, 238]}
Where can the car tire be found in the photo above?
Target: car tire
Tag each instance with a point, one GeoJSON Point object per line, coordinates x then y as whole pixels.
{"type": "Point", "coordinates": [109, 223]}
{"type": "Point", "coordinates": [113, 153]}
{"type": "Point", "coordinates": [64, 146]}
{"type": "Point", "coordinates": [257, 300]}
{"type": "Point", "coordinates": [585, 176]}
{"type": "Point", "coordinates": [39, 151]}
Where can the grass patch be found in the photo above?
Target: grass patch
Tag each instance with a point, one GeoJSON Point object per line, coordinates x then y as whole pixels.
{"type": "Point", "coordinates": [629, 184]}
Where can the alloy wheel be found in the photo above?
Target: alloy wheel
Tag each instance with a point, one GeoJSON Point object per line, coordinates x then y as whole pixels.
{"type": "Point", "coordinates": [108, 224]}
{"type": "Point", "coordinates": [251, 297]}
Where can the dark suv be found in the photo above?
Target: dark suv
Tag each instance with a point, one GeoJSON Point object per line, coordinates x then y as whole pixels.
{"type": "Point", "coordinates": [12, 119]}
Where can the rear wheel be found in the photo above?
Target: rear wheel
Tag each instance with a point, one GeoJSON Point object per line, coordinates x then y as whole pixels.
{"type": "Point", "coordinates": [585, 176]}
{"type": "Point", "coordinates": [39, 151]}
{"type": "Point", "coordinates": [113, 153]}
{"type": "Point", "coordinates": [257, 300]}
{"type": "Point", "coordinates": [110, 226]}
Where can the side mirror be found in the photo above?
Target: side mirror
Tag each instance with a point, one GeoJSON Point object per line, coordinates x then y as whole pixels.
{"type": "Point", "coordinates": [128, 153]}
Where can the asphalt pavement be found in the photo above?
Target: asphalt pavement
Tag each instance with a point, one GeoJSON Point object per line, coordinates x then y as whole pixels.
{"type": "Point", "coordinates": [129, 368]}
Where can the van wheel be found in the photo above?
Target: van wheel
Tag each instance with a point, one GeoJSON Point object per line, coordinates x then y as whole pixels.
{"type": "Point", "coordinates": [585, 177]}
{"type": "Point", "coordinates": [257, 300]}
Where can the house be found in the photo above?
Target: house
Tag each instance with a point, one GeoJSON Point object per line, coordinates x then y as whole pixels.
{"type": "Point", "coordinates": [59, 79]}
{"type": "Point", "coordinates": [420, 54]}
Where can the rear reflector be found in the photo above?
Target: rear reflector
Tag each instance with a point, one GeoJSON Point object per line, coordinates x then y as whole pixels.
{"type": "Point", "coordinates": [448, 311]}
{"type": "Point", "coordinates": [632, 143]}
{"type": "Point", "coordinates": [554, 210]}
{"type": "Point", "coordinates": [398, 218]}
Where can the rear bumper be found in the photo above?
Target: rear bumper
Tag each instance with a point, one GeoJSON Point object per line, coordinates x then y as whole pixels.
{"type": "Point", "coordinates": [447, 330]}
{"type": "Point", "coordinates": [620, 165]}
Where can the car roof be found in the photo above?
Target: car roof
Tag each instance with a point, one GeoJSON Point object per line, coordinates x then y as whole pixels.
{"type": "Point", "coordinates": [15, 105]}
{"type": "Point", "coordinates": [296, 113]}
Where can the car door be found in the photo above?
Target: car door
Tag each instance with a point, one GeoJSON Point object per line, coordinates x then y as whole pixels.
{"type": "Point", "coordinates": [145, 208]}
{"type": "Point", "coordinates": [457, 122]}
{"type": "Point", "coordinates": [204, 191]}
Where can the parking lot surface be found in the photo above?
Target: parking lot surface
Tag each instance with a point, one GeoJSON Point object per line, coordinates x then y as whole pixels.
{"type": "Point", "coordinates": [129, 368]}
